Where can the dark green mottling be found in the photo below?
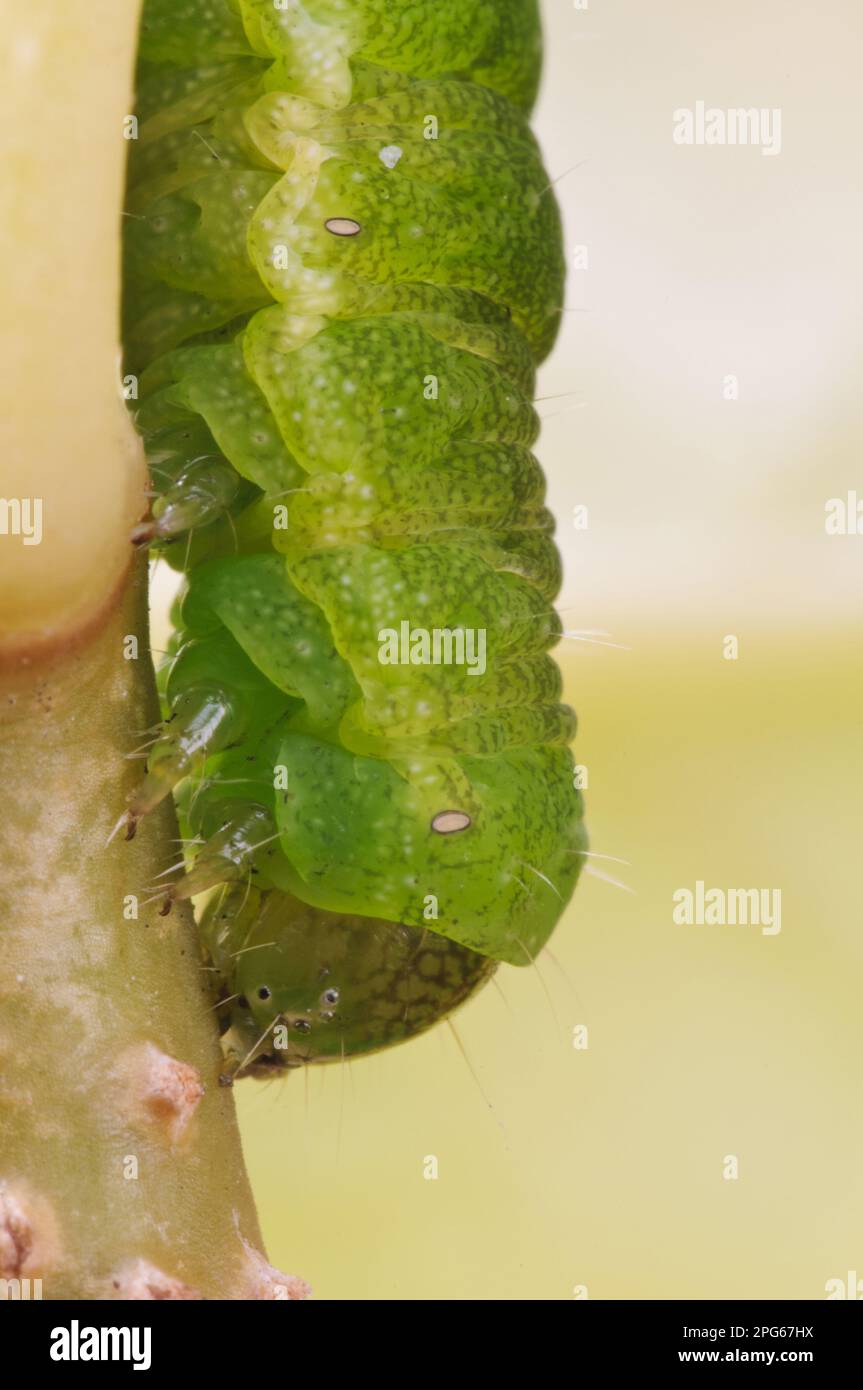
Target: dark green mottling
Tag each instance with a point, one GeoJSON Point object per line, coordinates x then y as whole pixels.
{"type": "Point", "coordinates": [393, 981]}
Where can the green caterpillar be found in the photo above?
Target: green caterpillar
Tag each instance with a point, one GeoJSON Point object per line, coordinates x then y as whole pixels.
{"type": "Point", "coordinates": [342, 264]}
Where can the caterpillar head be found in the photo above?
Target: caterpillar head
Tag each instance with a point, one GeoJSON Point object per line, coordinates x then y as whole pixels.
{"type": "Point", "coordinates": [316, 986]}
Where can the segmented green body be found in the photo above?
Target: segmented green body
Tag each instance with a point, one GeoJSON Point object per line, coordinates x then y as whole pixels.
{"type": "Point", "coordinates": [343, 261]}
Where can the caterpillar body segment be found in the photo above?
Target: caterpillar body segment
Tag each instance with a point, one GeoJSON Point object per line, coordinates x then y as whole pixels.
{"type": "Point", "coordinates": [343, 262]}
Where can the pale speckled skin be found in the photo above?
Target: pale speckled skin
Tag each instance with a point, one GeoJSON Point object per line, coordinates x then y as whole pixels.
{"type": "Point", "coordinates": [379, 385]}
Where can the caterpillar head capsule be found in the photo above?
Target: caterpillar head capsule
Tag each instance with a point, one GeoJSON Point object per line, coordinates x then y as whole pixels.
{"type": "Point", "coordinates": [309, 986]}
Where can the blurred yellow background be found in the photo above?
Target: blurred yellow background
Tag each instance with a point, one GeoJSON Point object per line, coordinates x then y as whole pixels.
{"type": "Point", "coordinates": [603, 1168]}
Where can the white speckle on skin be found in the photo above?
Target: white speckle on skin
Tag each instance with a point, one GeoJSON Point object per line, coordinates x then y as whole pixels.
{"type": "Point", "coordinates": [390, 155]}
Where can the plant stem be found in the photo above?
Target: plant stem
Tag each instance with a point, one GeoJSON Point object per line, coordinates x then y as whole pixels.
{"type": "Point", "coordinates": [121, 1173]}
